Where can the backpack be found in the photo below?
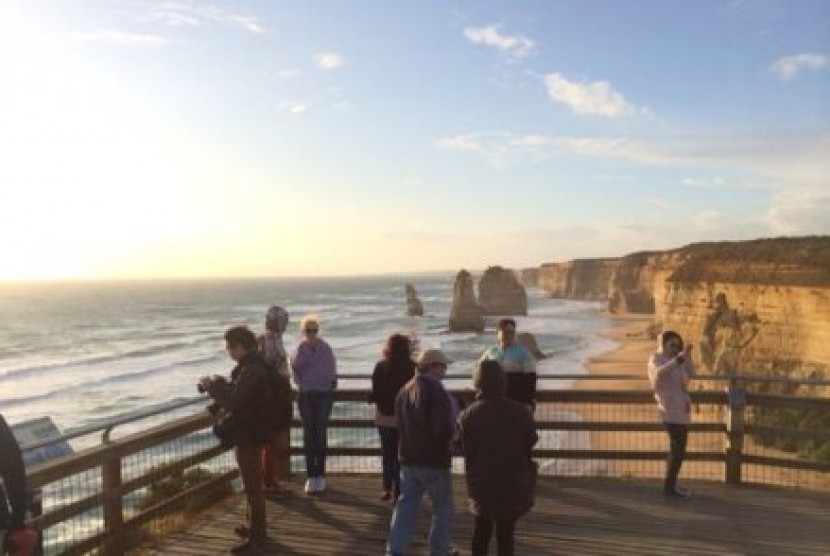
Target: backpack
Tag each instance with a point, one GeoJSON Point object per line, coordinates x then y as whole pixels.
{"type": "Point", "coordinates": [280, 401]}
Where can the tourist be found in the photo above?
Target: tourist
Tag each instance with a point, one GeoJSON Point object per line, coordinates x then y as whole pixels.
{"type": "Point", "coordinates": [669, 371]}
{"type": "Point", "coordinates": [244, 401]}
{"type": "Point", "coordinates": [517, 363]}
{"type": "Point", "coordinates": [14, 534]}
{"type": "Point", "coordinates": [390, 374]}
{"type": "Point", "coordinates": [426, 422]}
{"type": "Point", "coordinates": [273, 351]}
{"type": "Point", "coordinates": [497, 437]}
{"type": "Point", "coordinates": [315, 373]}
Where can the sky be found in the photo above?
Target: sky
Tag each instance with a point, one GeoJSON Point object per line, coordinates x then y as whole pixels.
{"type": "Point", "coordinates": [177, 139]}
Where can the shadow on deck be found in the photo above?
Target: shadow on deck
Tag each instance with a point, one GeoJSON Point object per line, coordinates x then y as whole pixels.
{"type": "Point", "coordinates": [572, 516]}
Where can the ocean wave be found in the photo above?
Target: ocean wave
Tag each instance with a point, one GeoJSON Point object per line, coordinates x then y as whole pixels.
{"type": "Point", "coordinates": [114, 379]}
{"type": "Point", "coordinates": [22, 372]}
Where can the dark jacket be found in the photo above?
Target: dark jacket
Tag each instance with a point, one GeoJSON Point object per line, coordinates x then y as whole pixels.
{"type": "Point", "coordinates": [425, 423]}
{"type": "Point", "coordinates": [497, 436]}
{"type": "Point", "coordinates": [247, 398]}
{"type": "Point", "coordinates": [13, 473]}
{"type": "Point", "coordinates": [387, 381]}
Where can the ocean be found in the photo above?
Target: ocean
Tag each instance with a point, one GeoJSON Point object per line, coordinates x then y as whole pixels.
{"type": "Point", "coordinates": [85, 352]}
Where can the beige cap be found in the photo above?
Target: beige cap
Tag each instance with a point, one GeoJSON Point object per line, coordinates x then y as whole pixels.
{"type": "Point", "coordinates": [430, 356]}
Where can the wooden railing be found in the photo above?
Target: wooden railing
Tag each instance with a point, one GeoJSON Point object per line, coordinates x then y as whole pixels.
{"type": "Point", "coordinates": [106, 463]}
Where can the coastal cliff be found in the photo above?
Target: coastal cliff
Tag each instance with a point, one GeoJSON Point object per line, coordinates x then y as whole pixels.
{"type": "Point", "coordinates": [501, 293]}
{"type": "Point", "coordinates": [758, 307]}
{"type": "Point", "coordinates": [578, 279]}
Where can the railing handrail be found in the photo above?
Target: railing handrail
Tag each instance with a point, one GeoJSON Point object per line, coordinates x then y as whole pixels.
{"type": "Point", "coordinates": [109, 424]}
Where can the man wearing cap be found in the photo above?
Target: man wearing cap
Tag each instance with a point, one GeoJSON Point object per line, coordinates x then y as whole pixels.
{"type": "Point", "coordinates": [516, 361]}
{"type": "Point", "coordinates": [426, 422]}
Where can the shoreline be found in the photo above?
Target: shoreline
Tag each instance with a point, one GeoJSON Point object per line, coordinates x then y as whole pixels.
{"type": "Point", "coordinates": [629, 356]}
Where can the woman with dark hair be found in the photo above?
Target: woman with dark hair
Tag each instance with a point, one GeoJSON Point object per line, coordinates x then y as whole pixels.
{"type": "Point", "coordinates": [497, 436]}
{"type": "Point", "coordinates": [669, 371]}
{"type": "Point", "coordinates": [390, 374]}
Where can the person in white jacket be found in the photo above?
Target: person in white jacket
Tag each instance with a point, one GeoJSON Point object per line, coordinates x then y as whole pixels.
{"type": "Point", "coordinates": [669, 370]}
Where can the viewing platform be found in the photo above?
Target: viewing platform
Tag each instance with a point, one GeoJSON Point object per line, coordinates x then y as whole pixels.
{"type": "Point", "coordinates": [760, 480]}
{"type": "Point", "coordinates": [573, 516]}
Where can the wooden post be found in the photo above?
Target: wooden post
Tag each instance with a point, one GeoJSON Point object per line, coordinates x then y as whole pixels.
{"type": "Point", "coordinates": [113, 511]}
{"type": "Point", "coordinates": [736, 396]}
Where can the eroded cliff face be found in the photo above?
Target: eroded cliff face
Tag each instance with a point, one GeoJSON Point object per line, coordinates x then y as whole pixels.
{"type": "Point", "coordinates": [757, 307]}
{"type": "Point", "coordinates": [578, 279]}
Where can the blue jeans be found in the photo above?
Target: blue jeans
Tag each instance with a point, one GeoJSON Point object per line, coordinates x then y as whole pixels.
{"type": "Point", "coordinates": [391, 467]}
{"type": "Point", "coordinates": [315, 408]}
{"type": "Point", "coordinates": [414, 482]}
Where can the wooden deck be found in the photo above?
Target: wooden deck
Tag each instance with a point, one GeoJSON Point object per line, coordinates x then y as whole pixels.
{"type": "Point", "coordinates": [572, 516]}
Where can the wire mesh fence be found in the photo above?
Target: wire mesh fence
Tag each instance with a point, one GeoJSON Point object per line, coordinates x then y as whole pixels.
{"type": "Point", "coordinates": [150, 482]}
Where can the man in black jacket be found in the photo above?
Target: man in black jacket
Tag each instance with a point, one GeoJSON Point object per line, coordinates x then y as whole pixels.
{"type": "Point", "coordinates": [243, 400]}
{"type": "Point", "coordinates": [13, 473]}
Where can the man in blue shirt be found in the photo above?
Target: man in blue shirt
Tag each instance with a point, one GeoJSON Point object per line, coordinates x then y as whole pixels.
{"type": "Point", "coordinates": [517, 362]}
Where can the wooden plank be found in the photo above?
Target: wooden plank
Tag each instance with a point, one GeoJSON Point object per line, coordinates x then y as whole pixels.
{"type": "Point", "coordinates": [571, 516]}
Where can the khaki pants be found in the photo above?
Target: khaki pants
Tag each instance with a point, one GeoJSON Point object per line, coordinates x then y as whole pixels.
{"type": "Point", "coordinates": [248, 459]}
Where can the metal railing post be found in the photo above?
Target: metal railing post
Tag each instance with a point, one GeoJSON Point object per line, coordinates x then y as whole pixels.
{"type": "Point", "coordinates": [736, 398]}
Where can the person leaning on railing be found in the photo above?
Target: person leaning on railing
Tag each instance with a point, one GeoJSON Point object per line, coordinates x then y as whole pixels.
{"type": "Point", "coordinates": [669, 371]}
{"type": "Point", "coordinates": [315, 374]}
{"type": "Point", "coordinates": [245, 400]}
{"type": "Point", "coordinates": [517, 363]}
{"type": "Point", "coordinates": [15, 537]}
{"type": "Point", "coordinates": [390, 375]}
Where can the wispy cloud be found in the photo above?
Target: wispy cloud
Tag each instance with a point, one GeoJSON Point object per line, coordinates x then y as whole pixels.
{"type": "Point", "coordinates": [517, 46]}
{"type": "Point", "coordinates": [500, 148]}
{"type": "Point", "coordinates": [123, 39]}
{"type": "Point", "coordinates": [194, 14]}
{"type": "Point", "coordinates": [327, 61]}
{"type": "Point", "coordinates": [788, 67]}
{"type": "Point", "coordinates": [594, 98]}
{"type": "Point", "coordinates": [294, 108]}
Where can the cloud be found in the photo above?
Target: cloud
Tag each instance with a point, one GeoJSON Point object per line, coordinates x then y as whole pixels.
{"type": "Point", "coordinates": [124, 39]}
{"type": "Point", "coordinates": [517, 46]}
{"type": "Point", "coordinates": [295, 108]}
{"type": "Point", "coordinates": [327, 61]}
{"type": "Point", "coordinates": [193, 14]}
{"type": "Point", "coordinates": [500, 148]}
{"type": "Point", "coordinates": [596, 98]}
{"type": "Point", "coordinates": [789, 67]}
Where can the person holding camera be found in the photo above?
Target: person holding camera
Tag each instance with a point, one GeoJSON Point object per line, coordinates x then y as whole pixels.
{"type": "Point", "coordinates": [242, 407]}
{"type": "Point", "coordinates": [15, 537]}
{"type": "Point", "coordinates": [669, 370]}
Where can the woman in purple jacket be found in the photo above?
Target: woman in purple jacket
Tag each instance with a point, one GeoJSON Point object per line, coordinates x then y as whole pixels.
{"type": "Point", "coordinates": [315, 373]}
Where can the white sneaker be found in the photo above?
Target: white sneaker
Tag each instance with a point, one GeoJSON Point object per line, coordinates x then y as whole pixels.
{"type": "Point", "coordinates": [311, 485]}
{"type": "Point", "coordinates": [321, 484]}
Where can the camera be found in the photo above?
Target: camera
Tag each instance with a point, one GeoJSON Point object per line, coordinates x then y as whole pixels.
{"type": "Point", "coordinates": [206, 383]}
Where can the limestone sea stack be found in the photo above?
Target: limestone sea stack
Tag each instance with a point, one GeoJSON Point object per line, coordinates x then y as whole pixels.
{"type": "Point", "coordinates": [501, 294]}
{"type": "Point", "coordinates": [466, 314]}
{"type": "Point", "coordinates": [414, 307]}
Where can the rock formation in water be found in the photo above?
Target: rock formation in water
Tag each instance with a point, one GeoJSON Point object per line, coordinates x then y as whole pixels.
{"type": "Point", "coordinates": [466, 314]}
{"type": "Point", "coordinates": [528, 340]}
{"type": "Point", "coordinates": [500, 293]}
{"type": "Point", "coordinates": [414, 307]}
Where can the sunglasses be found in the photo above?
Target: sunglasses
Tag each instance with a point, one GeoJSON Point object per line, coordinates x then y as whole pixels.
{"type": "Point", "coordinates": [674, 345]}
{"type": "Point", "coordinates": [310, 330]}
